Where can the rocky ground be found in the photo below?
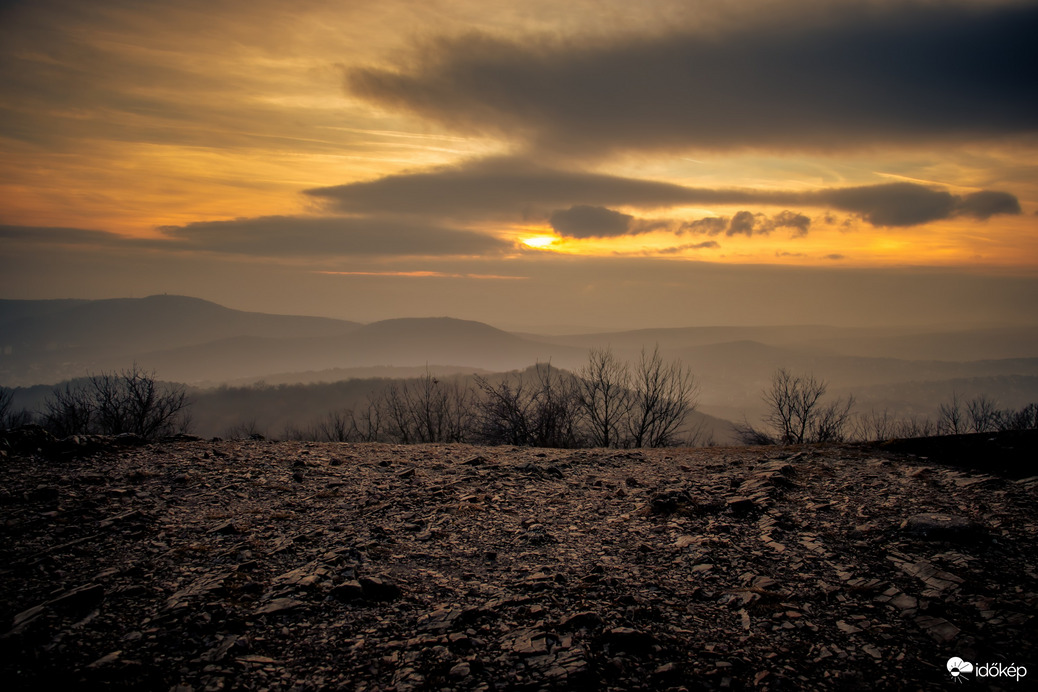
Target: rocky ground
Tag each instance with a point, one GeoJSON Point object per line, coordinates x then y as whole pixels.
{"type": "Point", "coordinates": [198, 565]}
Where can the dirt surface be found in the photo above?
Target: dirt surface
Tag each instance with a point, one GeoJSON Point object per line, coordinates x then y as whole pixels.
{"type": "Point", "coordinates": [196, 565]}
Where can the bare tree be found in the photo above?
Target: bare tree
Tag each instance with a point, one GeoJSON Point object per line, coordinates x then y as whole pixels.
{"type": "Point", "coordinates": [950, 419]}
{"type": "Point", "coordinates": [915, 427]}
{"type": "Point", "coordinates": [131, 401]}
{"type": "Point", "coordinates": [797, 414]}
{"type": "Point", "coordinates": [752, 436]}
{"type": "Point", "coordinates": [556, 410]}
{"type": "Point", "coordinates": [6, 396]}
{"type": "Point", "coordinates": [246, 430]}
{"type": "Point", "coordinates": [9, 418]}
{"type": "Point", "coordinates": [427, 410]}
{"type": "Point", "coordinates": [368, 422]}
{"type": "Point", "coordinates": [503, 411]}
{"type": "Point", "coordinates": [982, 414]}
{"type": "Point", "coordinates": [1024, 419]}
{"type": "Point", "coordinates": [792, 401]}
{"type": "Point", "coordinates": [538, 407]}
{"type": "Point", "coordinates": [604, 394]}
{"type": "Point", "coordinates": [337, 426]}
{"type": "Point", "coordinates": [874, 426]}
{"type": "Point", "coordinates": [393, 403]}
{"type": "Point", "coordinates": [662, 397]}
{"type": "Point", "coordinates": [69, 410]}
{"type": "Point", "coordinates": [830, 421]}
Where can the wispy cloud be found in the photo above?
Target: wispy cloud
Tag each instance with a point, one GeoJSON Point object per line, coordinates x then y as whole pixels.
{"type": "Point", "coordinates": [287, 235]}
{"type": "Point", "coordinates": [677, 249]}
{"type": "Point", "coordinates": [422, 274]}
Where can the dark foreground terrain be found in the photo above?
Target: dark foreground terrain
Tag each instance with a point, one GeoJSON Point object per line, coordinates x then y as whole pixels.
{"type": "Point", "coordinates": [192, 565]}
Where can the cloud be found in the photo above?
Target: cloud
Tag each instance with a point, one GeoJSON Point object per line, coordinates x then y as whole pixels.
{"type": "Point", "coordinates": [288, 235]}
{"type": "Point", "coordinates": [747, 223]}
{"type": "Point", "coordinates": [892, 204]}
{"type": "Point", "coordinates": [711, 225]}
{"type": "Point", "coordinates": [515, 189]}
{"type": "Point", "coordinates": [835, 256]}
{"type": "Point", "coordinates": [278, 236]}
{"type": "Point", "coordinates": [841, 78]}
{"type": "Point", "coordinates": [60, 235]}
{"type": "Point", "coordinates": [597, 222]}
{"type": "Point", "coordinates": [911, 204]}
{"type": "Point", "coordinates": [498, 187]}
{"type": "Point", "coordinates": [987, 203]}
{"type": "Point", "coordinates": [424, 274]}
{"type": "Point", "coordinates": [788, 219]}
{"type": "Point", "coordinates": [743, 222]}
{"type": "Point", "coordinates": [705, 245]}
{"type": "Point", "coordinates": [583, 221]}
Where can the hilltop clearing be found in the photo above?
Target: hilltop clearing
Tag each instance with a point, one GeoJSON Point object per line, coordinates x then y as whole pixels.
{"type": "Point", "coordinates": [249, 565]}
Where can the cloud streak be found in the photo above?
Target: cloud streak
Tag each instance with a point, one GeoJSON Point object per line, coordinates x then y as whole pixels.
{"type": "Point", "coordinates": [422, 274]}
{"type": "Point", "coordinates": [284, 236]}
{"type": "Point", "coordinates": [848, 77]}
{"type": "Point", "coordinates": [512, 189]}
{"type": "Point", "coordinates": [287, 235]}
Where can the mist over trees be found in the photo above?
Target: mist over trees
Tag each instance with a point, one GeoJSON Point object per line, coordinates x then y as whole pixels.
{"type": "Point", "coordinates": [798, 414]}
{"type": "Point", "coordinates": [608, 403]}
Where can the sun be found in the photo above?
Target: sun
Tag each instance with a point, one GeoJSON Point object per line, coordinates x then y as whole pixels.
{"type": "Point", "coordinates": [540, 241]}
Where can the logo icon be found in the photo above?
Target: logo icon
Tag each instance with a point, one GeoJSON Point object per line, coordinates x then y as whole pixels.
{"type": "Point", "coordinates": [957, 667]}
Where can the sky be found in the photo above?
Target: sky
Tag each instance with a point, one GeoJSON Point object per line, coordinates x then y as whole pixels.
{"type": "Point", "coordinates": [591, 164]}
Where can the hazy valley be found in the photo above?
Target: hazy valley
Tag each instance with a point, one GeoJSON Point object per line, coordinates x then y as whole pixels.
{"type": "Point", "coordinates": [276, 373]}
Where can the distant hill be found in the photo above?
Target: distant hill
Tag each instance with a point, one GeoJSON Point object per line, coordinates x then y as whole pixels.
{"type": "Point", "coordinates": [440, 341]}
{"type": "Point", "coordinates": [49, 340]}
{"type": "Point", "coordinates": [904, 343]}
{"type": "Point", "coordinates": [951, 345]}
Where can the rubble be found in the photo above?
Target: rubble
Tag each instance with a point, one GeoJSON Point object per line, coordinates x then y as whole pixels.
{"type": "Point", "coordinates": [195, 565]}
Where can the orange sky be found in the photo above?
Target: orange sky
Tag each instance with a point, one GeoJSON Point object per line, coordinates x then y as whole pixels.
{"type": "Point", "coordinates": [404, 136]}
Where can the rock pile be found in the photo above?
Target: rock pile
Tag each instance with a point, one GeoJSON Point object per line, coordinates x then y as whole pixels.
{"type": "Point", "coordinates": [193, 565]}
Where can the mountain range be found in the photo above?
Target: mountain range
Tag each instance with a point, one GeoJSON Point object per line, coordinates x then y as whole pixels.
{"type": "Point", "coordinates": [201, 343]}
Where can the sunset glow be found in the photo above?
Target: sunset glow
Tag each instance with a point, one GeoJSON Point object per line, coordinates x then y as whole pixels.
{"type": "Point", "coordinates": [141, 146]}
{"type": "Point", "coordinates": [541, 241]}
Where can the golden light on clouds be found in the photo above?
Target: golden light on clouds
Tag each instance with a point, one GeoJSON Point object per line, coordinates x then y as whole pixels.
{"type": "Point", "coordinates": [424, 274]}
{"type": "Point", "coordinates": [364, 133]}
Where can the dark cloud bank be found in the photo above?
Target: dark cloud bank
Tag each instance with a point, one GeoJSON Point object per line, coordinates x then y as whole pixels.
{"type": "Point", "coordinates": [843, 78]}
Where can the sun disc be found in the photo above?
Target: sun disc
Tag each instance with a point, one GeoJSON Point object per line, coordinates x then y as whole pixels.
{"type": "Point", "coordinates": [540, 241]}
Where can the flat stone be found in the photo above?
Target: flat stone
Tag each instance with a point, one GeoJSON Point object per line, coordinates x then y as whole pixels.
{"type": "Point", "coordinates": [941, 527]}
{"type": "Point", "coordinates": [378, 589]}
{"type": "Point", "coordinates": [584, 620]}
{"type": "Point", "coordinates": [348, 590]}
{"type": "Point", "coordinates": [278, 605]}
{"type": "Point", "coordinates": [628, 639]}
{"type": "Point", "coordinates": [938, 628]}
